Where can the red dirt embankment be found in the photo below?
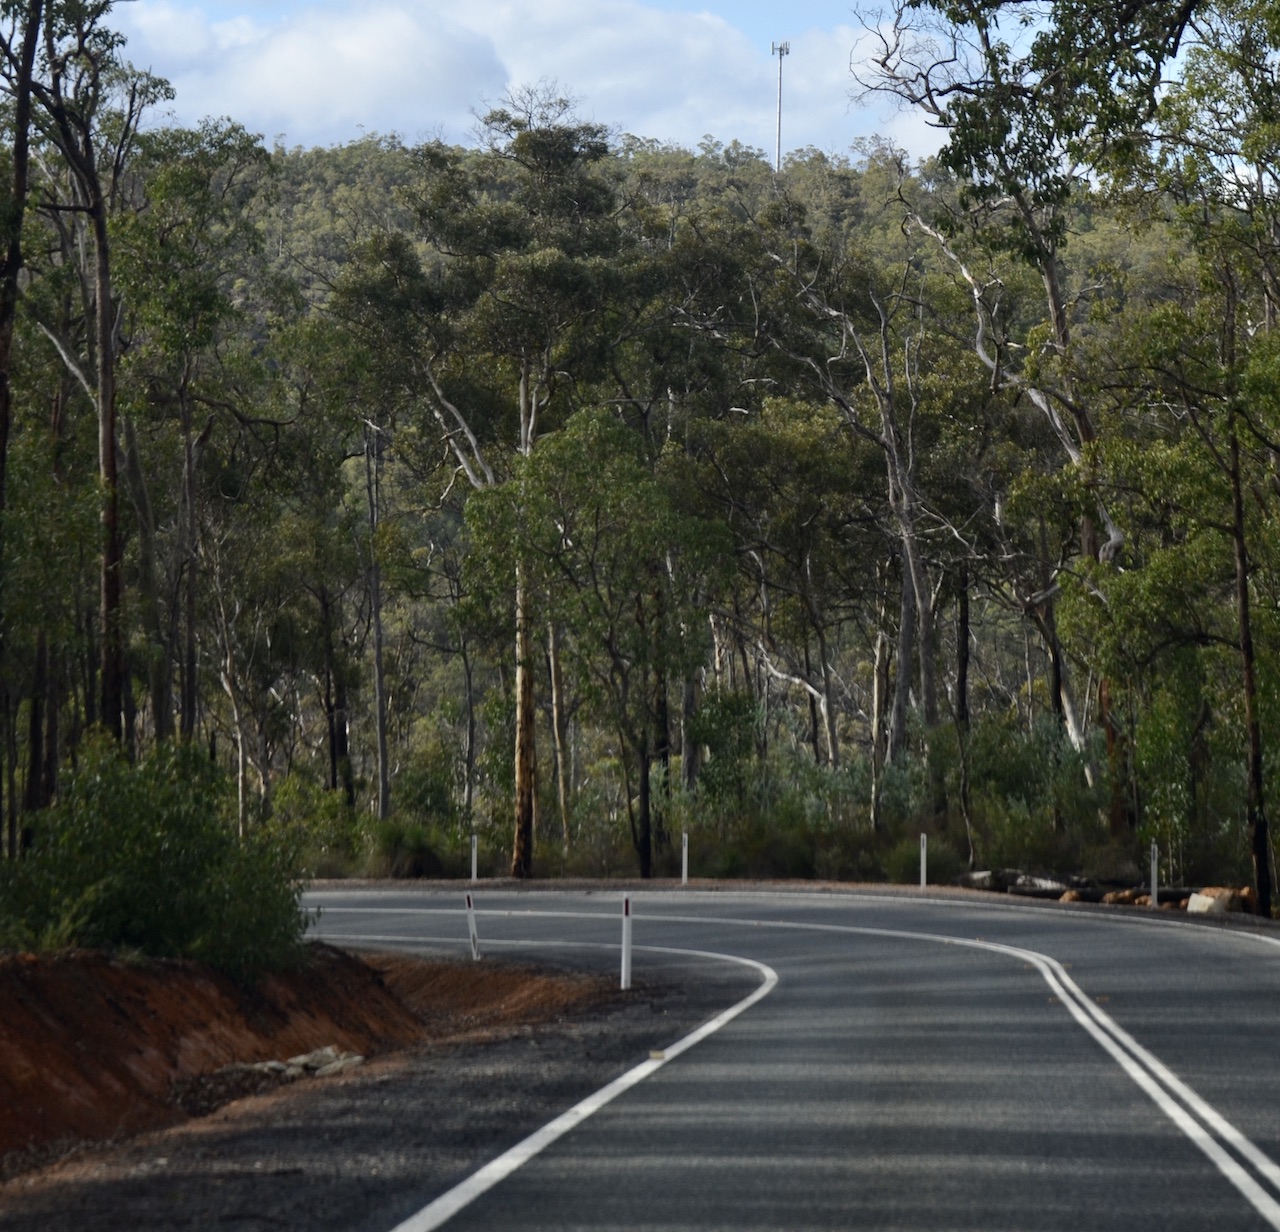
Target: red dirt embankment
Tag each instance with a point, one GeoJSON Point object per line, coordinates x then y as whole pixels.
{"type": "Point", "coordinates": [91, 1046]}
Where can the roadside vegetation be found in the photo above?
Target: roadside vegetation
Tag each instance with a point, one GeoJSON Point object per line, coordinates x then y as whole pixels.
{"type": "Point", "coordinates": [576, 490]}
{"type": "Point", "coordinates": [145, 859]}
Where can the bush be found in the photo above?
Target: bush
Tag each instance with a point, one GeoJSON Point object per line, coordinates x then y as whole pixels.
{"type": "Point", "coordinates": [326, 830]}
{"type": "Point", "coordinates": [147, 858]}
{"type": "Point", "coordinates": [902, 861]}
{"type": "Point", "coordinates": [405, 849]}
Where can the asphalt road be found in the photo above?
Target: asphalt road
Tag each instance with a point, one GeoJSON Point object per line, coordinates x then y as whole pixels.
{"type": "Point", "coordinates": [919, 1064]}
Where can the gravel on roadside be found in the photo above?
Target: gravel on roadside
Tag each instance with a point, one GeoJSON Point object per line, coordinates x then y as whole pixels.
{"type": "Point", "coordinates": [363, 1150]}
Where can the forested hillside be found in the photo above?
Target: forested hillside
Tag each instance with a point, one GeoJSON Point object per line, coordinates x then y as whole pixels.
{"type": "Point", "coordinates": [575, 489]}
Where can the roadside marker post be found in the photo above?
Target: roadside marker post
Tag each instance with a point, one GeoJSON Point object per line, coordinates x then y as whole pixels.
{"type": "Point", "coordinates": [684, 858]}
{"type": "Point", "coordinates": [626, 943]}
{"type": "Point", "coordinates": [924, 860]}
{"type": "Point", "coordinates": [471, 929]}
{"type": "Point", "coordinates": [475, 857]}
{"type": "Point", "coordinates": [1155, 877]}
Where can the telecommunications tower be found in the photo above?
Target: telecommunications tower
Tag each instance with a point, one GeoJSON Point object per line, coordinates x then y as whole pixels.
{"type": "Point", "coordinates": [779, 50]}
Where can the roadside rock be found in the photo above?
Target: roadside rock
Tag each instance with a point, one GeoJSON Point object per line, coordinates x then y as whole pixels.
{"type": "Point", "coordinates": [1124, 898]}
{"type": "Point", "coordinates": [1216, 900]}
{"type": "Point", "coordinates": [96, 1048]}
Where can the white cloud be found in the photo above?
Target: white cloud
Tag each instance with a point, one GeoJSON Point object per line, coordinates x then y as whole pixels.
{"type": "Point", "coordinates": [320, 75]}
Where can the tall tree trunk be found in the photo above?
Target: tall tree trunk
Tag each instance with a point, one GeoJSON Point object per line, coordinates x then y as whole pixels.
{"type": "Point", "coordinates": [526, 767]}
{"type": "Point", "coordinates": [373, 475]}
{"type": "Point", "coordinates": [22, 64]}
{"type": "Point", "coordinates": [1255, 798]}
{"type": "Point", "coordinates": [879, 724]}
{"type": "Point", "coordinates": [191, 574]}
{"type": "Point", "coordinates": [21, 67]}
{"type": "Point", "coordinates": [11, 764]}
{"type": "Point", "coordinates": [342, 738]}
{"type": "Point", "coordinates": [879, 700]}
{"type": "Point", "coordinates": [661, 720]}
{"type": "Point", "coordinates": [34, 799]}
{"type": "Point", "coordinates": [558, 728]}
{"type": "Point", "coordinates": [644, 821]}
{"type": "Point", "coordinates": [53, 700]}
{"type": "Point", "coordinates": [897, 737]}
{"type": "Point", "coordinates": [469, 686]}
{"type": "Point", "coordinates": [829, 718]}
{"type": "Point", "coordinates": [11, 813]}
{"type": "Point", "coordinates": [159, 673]}
{"type": "Point", "coordinates": [526, 785]}
{"type": "Point", "coordinates": [330, 707]}
{"type": "Point", "coordinates": [815, 739]}
{"type": "Point", "coordinates": [963, 636]}
{"type": "Point", "coordinates": [690, 750]}
{"type": "Point", "coordinates": [111, 712]}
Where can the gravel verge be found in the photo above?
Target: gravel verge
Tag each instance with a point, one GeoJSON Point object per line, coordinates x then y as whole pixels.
{"type": "Point", "coordinates": [362, 1150]}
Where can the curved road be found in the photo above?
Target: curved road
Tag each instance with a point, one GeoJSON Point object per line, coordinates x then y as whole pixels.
{"type": "Point", "coordinates": [919, 1064]}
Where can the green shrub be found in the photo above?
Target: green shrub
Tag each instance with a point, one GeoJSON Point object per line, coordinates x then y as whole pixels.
{"type": "Point", "coordinates": [405, 849]}
{"type": "Point", "coordinates": [147, 858]}
{"type": "Point", "coordinates": [902, 861]}
{"type": "Point", "coordinates": [326, 831]}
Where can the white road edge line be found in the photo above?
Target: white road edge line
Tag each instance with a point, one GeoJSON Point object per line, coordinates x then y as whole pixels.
{"type": "Point", "coordinates": [1210, 1115]}
{"type": "Point", "coordinates": [1140, 1065]}
{"type": "Point", "coordinates": [449, 1203]}
{"type": "Point", "coordinates": [1132, 1057]}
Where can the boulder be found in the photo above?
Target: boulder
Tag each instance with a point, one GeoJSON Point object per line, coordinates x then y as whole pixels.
{"type": "Point", "coordinates": [1123, 898]}
{"type": "Point", "coordinates": [341, 1065]}
{"type": "Point", "coordinates": [1216, 900]}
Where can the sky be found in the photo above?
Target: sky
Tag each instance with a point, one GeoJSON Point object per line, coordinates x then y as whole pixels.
{"type": "Point", "coordinates": [324, 72]}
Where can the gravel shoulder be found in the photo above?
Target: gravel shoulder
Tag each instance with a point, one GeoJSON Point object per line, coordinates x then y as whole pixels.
{"type": "Point", "coordinates": [366, 1148]}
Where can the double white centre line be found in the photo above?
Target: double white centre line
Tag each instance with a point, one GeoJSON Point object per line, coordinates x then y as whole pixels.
{"type": "Point", "coordinates": [1253, 1173]}
{"type": "Point", "coordinates": [1224, 1145]}
{"type": "Point", "coordinates": [1202, 1123]}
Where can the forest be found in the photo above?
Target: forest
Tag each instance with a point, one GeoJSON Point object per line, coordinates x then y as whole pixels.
{"type": "Point", "coordinates": [576, 490]}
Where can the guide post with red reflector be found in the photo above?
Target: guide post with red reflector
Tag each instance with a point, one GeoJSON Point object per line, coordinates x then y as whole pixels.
{"type": "Point", "coordinates": [626, 943]}
{"type": "Point", "coordinates": [471, 929]}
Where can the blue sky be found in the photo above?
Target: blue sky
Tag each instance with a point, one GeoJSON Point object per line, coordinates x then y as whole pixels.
{"type": "Point", "coordinates": [321, 72]}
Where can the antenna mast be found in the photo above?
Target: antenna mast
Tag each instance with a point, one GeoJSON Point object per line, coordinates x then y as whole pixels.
{"type": "Point", "coordinates": [779, 50]}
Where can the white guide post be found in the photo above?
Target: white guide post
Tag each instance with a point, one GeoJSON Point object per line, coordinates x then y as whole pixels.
{"type": "Point", "coordinates": [684, 858]}
{"type": "Point", "coordinates": [1155, 876]}
{"type": "Point", "coordinates": [475, 857]}
{"type": "Point", "coordinates": [924, 860]}
{"type": "Point", "coordinates": [626, 942]}
{"type": "Point", "coordinates": [471, 929]}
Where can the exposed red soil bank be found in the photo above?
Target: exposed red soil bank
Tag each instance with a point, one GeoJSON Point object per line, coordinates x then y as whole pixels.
{"type": "Point", "coordinates": [91, 1046]}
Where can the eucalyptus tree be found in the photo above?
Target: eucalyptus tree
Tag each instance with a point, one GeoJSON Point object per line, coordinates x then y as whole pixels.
{"type": "Point", "coordinates": [1032, 103]}
{"type": "Point", "coordinates": [524, 234]}
{"type": "Point", "coordinates": [1201, 368]}
{"type": "Point", "coordinates": [184, 239]}
{"type": "Point", "coordinates": [800, 500]}
{"type": "Point", "coordinates": [89, 107]}
{"type": "Point", "coordinates": [19, 44]}
{"type": "Point", "coordinates": [20, 38]}
{"type": "Point", "coordinates": [616, 562]}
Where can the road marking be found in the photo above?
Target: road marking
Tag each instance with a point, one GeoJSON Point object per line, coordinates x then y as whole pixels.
{"type": "Point", "coordinates": [448, 1204]}
{"type": "Point", "coordinates": [1155, 1079]}
{"type": "Point", "coordinates": [1195, 1117]}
